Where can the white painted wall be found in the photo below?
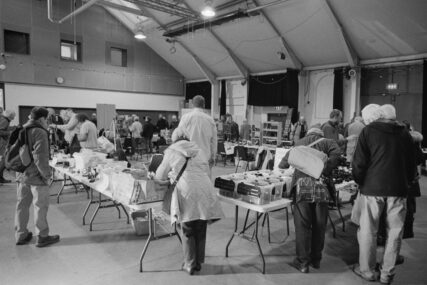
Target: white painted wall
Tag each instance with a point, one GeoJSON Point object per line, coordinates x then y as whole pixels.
{"type": "Point", "coordinates": [37, 95]}
{"type": "Point", "coordinates": [237, 96]}
{"type": "Point", "coordinates": [316, 95]}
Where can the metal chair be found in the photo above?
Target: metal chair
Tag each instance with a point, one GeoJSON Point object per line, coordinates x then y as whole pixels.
{"type": "Point", "coordinates": [242, 155]}
{"type": "Point", "coordinates": [221, 152]}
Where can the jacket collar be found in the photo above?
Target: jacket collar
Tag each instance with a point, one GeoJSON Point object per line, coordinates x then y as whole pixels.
{"type": "Point", "coordinates": [34, 123]}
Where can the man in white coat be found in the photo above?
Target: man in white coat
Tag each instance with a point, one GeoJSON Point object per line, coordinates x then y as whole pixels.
{"type": "Point", "coordinates": [201, 129]}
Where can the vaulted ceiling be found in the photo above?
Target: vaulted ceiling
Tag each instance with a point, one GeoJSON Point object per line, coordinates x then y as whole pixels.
{"type": "Point", "coordinates": [286, 34]}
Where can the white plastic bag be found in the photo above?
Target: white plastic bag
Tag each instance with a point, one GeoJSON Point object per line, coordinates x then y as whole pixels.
{"type": "Point", "coordinates": [105, 144]}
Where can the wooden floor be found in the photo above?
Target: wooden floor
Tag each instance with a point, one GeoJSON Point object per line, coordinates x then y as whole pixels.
{"type": "Point", "coordinates": [110, 253]}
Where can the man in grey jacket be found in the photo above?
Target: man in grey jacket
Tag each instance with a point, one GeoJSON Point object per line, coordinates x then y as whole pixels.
{"type": "Point", "coordinates": [33, 183]}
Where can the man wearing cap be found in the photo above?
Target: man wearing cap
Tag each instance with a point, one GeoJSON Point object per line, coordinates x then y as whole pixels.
{"type": "Point", "coordinates": [5, 119]}
{"type": "Point", "coordinates": [310, 218]}
{"type": "Point", "coordinates": [33, 183]}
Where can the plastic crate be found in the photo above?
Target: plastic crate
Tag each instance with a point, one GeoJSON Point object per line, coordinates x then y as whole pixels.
{"type": "Point", "coordinates": [140, 223]}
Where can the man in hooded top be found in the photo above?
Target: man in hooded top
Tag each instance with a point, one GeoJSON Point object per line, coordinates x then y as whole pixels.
{"type": "Point", "coordinates": [383, 166]}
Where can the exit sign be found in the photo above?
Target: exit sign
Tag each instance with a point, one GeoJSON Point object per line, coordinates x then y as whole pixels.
{"type": "Point", "coordinates": [391, 86]}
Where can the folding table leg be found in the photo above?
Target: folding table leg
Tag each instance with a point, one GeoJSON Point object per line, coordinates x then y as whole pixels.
{"type": "Point", "coordinates": [287, 220]}
{"type": "Point", "coordinates": [150, 237]}
{"type": "Point", "coordinates": [126, 213]}
{"type": "Point", "coordinates": [246, 221]}
{"type": "Point", "coordinates": [118, 209]}
{"type": "Point", "coordinates": [88, 206]}
{"type": "Point", "coordinates": [94, 213]}
{"type": "Point", "coordinates": [60, 191]}
{"type": "Point", "coordinates": [259, 246]}
{"type": "Point", "coordinates": [235, 230]}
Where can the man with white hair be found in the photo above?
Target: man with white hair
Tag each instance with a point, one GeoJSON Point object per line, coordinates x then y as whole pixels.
{"type": "Point", "coordinates": [5, 120]}
{"type": "Point", "coordinates": [201, 129]}
{"type": "Point", "coordinates": [383, 166]}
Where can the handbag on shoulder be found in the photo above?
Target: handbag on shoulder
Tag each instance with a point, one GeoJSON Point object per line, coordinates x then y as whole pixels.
{"type": "Point", "coordinates": [167, 200]}
{"type": "Point", "coordinates": [308, 160]}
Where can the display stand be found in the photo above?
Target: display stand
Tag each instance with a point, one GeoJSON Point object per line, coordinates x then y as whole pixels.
{"type": "Point", "coordinates": [271, 133]}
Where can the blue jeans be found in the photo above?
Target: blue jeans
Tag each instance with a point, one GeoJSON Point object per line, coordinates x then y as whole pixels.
{"type": "Point", "coordinates": [371, 209]}
{"type": "Point", "coordinates": [310, 224]}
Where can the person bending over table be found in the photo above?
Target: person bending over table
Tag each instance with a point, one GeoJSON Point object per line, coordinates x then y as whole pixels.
{"type": "Point", "coordinates": [194, 201]}
{"type": "Point", "coordinates": [310, 218]}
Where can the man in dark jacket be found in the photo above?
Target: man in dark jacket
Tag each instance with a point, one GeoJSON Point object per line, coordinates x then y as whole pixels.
{"type": "Point", "coordinates": [33, 183]}
{"type": "Point", "coordinates": [147, 133]}
{"type": "Point", "coordinates": [310, 218]}
{"type": "Point", "coordinates": [162, 123]}
{"type": "Point", "coordinates": [383, 166]}
{"type": "Point", "coordinates": [331, 128]}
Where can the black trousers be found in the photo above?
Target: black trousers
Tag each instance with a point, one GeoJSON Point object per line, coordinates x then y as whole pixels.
{"type": "Point", "coordinates": [310, 225]}
{"type": "Point", "coordinates": [193, 235]}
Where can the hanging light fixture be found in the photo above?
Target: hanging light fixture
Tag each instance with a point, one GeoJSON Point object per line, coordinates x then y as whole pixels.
{"type": "Point", "coordinates": [139, 32]}
{"type": "Point", "coordinates": [208, 11]}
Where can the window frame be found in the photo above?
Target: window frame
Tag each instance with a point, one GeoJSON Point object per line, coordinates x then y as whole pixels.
{"type": "Point", "coordinates": [79, 50]}
{"type": "Point", "coordinates": [27, 41]}
{"type": "Point", "coordinates": [124, 54]}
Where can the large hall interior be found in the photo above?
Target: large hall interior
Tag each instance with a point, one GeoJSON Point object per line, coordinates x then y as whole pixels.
{"type": "Point", "coordinates": [213, 142]}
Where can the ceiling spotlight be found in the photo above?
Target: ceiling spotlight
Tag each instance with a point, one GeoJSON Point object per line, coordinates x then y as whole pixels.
{"type": "Point", "coordinates": [281, 55]}
{"type": "Point", "coordinates": [208, 11]}
{"type": "Point", "coordinates": [139, 32]}
{"type": "Point", "coordinates": [140, 35]}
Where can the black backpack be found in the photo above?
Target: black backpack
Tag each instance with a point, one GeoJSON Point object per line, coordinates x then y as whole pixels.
{"type": "Point", "coordinates": [18, 156]}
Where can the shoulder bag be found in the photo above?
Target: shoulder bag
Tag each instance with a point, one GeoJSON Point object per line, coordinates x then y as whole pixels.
{"type": "Point", "coordinates": [308, 160]}
{"type": "Point", "coordinates": [168, 195]}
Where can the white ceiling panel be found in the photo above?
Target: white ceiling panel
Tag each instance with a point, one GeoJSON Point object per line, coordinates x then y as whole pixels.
{"type": "Point", "coordinates": [384, 28]}
{"type": "Point", "coordinates": [210, 51]}
{"type": "Point", "coordinates": [309, 30]}
{"type": "Point", "coordinates": [180, 60]}
{"type": "Point", "coordinates": [255, 43]}
{"type": "Point", "coordinates": [375, 29]}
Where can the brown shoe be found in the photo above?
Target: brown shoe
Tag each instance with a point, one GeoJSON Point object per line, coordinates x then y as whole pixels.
{"type": "Point", "coordinates": [45, 241]}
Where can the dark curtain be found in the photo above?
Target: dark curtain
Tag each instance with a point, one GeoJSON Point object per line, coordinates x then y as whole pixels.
{"type": "Point", "coordinates": [275, 90]}
{"type": "Point", "coordinates": [424, 119]}
{"type": "Point", "coordinates": [338, 96]}
{"type": "Point", "coordinates": [223, 102]}
{"type": "Point", "coordinates": [199, 88]}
